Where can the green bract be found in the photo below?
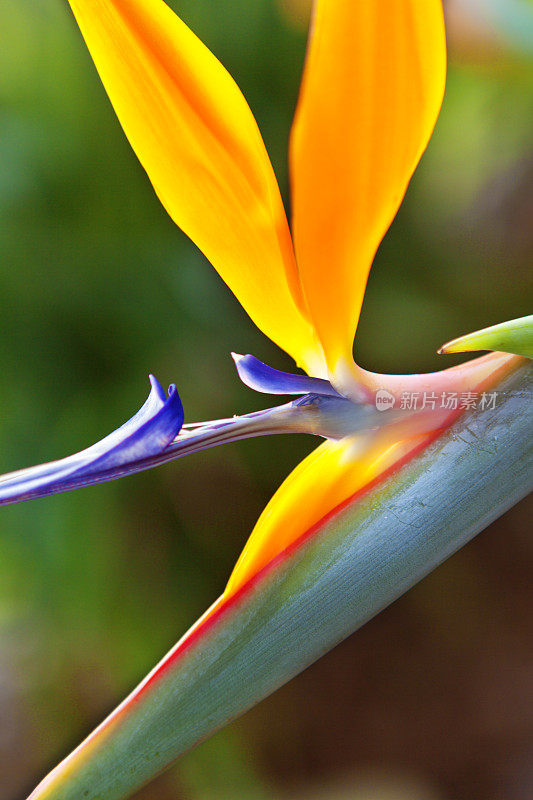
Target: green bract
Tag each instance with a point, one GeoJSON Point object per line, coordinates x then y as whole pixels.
{"type": "Point", "coordinates": [515, 336]}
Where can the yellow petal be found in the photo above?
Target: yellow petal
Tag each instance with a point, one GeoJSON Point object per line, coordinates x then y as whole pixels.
{"type": "Point", "coordinates": [196, 137]}
{"type": "Point", "coordinates": [337, 471]}
{"type": "Point", "coordinates": [372, 89]}
{"type": "Point", "coordinates": [331, 474]}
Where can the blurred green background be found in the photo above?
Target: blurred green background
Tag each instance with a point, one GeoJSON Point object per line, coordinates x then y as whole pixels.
{"type": "Point", "coordinates": [98, 287]}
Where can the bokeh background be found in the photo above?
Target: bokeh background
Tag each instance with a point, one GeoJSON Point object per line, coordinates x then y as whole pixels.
{"type": "Point", "coordinates": [433, 699]}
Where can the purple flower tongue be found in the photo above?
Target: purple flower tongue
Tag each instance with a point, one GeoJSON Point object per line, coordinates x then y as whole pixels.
{"type": "Point", "coordinates": [145, 435]}
{"type": "Point", "coordinates": [268, 380]}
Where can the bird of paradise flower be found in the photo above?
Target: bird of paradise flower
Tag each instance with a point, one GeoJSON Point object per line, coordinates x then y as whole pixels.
{"type": "Point", "coordinates": [372, 89]}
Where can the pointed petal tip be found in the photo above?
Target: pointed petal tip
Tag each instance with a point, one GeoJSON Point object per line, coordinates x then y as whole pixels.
{"type": "Point", "coordinates": [126, 450]}
{"type": "Point", "coordinates": [514, 336]}
{"type": "Point", "coordinates": [454, 346]}
{"type": "Point", "coordinates": [156, 387]}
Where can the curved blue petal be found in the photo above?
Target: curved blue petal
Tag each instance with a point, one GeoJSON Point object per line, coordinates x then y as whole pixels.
{"type": "Point", "coordinates": [156, 434]}
{"type": "Point", "coordinates": [142, 437]}
{"type": "Point", "coordinates": [268, 380]}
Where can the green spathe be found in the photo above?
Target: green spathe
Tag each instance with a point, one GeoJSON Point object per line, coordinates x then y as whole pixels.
{"type": "Point", "coordinates": [358, 562]}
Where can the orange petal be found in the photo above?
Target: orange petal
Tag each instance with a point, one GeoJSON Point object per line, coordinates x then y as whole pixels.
{"type": "Point", "coordinates": [337, 470]}
{"type": "Point", "coordinates": [372, 89]}
{"type": "Point", "coordinates": [195, 135]}
{"type": "Point", "coordinates": [331, 474]}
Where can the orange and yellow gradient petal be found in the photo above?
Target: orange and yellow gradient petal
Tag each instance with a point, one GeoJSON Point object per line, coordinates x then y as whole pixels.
{"type": "Point", "coordinates": [331, 474]}
{"type": "Point", "coordinates": [197, 139]}
{"type": "Point", "coordinates": [371, 93]}
{"type": "Point", "coordinates": [338, 470]}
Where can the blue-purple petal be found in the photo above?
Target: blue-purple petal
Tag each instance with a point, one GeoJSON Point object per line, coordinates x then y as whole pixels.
{"type": "Point", "coordinates": [147, 434]}
{"type": "Point", "coordinates": [156, 434]}
{"type": "Point", "coordinates": [268, 380]}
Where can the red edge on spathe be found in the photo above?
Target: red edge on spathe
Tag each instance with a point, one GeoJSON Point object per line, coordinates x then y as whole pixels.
{"type": "Point", "coordinates": [202, 627]}
{"type": "Point", "coordinates": [223, 607]}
